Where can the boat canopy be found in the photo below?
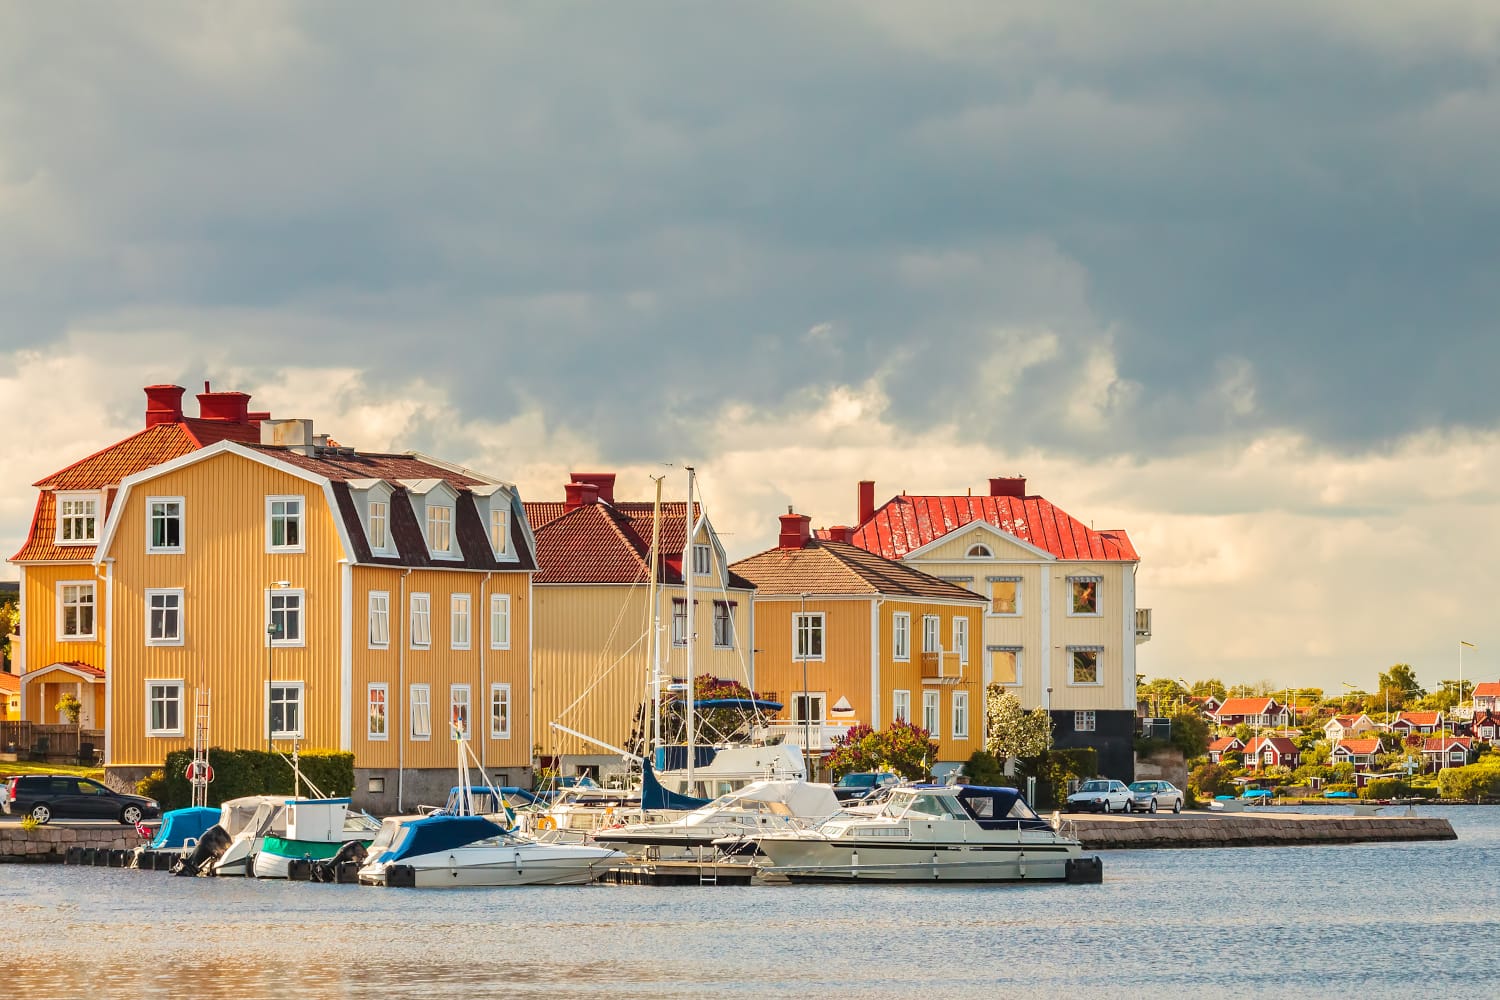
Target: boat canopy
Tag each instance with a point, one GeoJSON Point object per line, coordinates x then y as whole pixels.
{"type": "Point", "coordinates": [178, 826]}
{"type": "Point", "coordinates": [998, 808]}
{"type": "Point", "coordinates": [654, 796]}
{"type": "Point", "coordinates": [743, 704]}
{"type": "Point", "coordinates": [435, 834]}
{"type": "Point", "coordinates": [800, 797]}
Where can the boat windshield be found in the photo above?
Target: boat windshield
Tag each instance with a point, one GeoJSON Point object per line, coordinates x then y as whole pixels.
{"type": "Point", "coordinates": [385, 838]}
{"type": "Point", "coordinates": [926, 804]}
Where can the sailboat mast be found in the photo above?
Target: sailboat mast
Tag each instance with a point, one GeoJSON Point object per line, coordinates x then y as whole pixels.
{"type": "Point", "coordinates": [655, 621]}
{"type": "Point", "coordinates": [692, 680]}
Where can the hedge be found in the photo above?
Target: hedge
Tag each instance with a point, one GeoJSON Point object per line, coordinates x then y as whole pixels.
{"type": "Point", "coordinates": [254, 772]}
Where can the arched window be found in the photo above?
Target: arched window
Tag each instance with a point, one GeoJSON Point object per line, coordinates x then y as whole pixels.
{"type": "Point", "coordinates": [980, 552]}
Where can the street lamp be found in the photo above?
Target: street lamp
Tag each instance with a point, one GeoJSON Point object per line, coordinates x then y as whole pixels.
{"type": "Point", "coordinates": [1461, 644]}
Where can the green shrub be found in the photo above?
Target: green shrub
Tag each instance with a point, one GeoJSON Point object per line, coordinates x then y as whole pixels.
{"type": "Point", "coordinates": [1208, 780]}
{"type": "Point", "coordinates": [1468, 783]}
{"type": "Point", "coordinates": [1339, 786]}
{"type": "Point", "coordinates": [1385, 788]}
{"type": "Point", "coordinates": [983, 769]}
{"type": "Point", "coordinates": [153, 785]}
{"type": "Point", "coordinates": [1054, 769]}
{"type": "Point", "coordinates": [255, 772]}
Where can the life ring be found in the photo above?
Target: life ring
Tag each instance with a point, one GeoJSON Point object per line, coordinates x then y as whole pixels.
{"type": "Point", "coordinates": [199, 771]}
{"type": "Point", "coordinates": [546, 823]}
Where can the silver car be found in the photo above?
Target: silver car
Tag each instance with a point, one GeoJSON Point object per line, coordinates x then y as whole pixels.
{"type": "Point", "coordinates": [1149, 796]}
{"type": "Point", "coordinates": [1101, 795]}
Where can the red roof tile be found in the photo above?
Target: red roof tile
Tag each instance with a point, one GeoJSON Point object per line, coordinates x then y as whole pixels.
{"type": "Point", "coordinates": [1245, 706]}
{"type": "Point", "coordinates": [604, 542]}
{"type": "Point", "coordinates": [1359, 747]}
{"type": "Point", "coordinates": [1437, 744]}
{"type": "Point", "coordinates": [905, 523]}
{"type": "Point", "coordinates": [1419, 718]}
{"type": "Point", "coordinates": [1489, 689]}
{"type": "Point", "coordinates": [1225, 743]}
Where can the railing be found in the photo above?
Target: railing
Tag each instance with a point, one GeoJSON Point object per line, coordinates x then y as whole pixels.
{"type": "Point", "coordinates": [52, 742]}
{"type": "Point", "coordinates": [942, 666]}
{"type": "Point", "coordinates": [1142, 624]}
{"type": "Point", "coordinates": [819, 735]}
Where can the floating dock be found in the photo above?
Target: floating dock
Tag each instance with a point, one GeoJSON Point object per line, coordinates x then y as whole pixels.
{"type": "Point", "coordinates": [680, 873]}
{"type": "Point", "coordinates": [1261, 827]}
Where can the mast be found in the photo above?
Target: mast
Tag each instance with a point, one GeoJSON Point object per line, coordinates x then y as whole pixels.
{"type": "Point", "coordinates": [655, 621]}
{"type": "Point", "coordinates": [687, 579]}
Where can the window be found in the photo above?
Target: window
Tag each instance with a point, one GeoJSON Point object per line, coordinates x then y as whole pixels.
{"type": "Point", "coordinates": [1085, 664]}
{"type": "Point", "coordinates": [901, 636]}
{"type": "Point", "coordinates": [458, 711]}
{"type": "Point", "coordinates": [807, 636]}
{"type": "Point", "coordinates": [375, 727]}
{"type": "Point", "coordinates": [500, 711]}
{"type": "Point", "coordinates": [77, 518]}
{"type": "Point", "coordinates": [1005, 595]}
{"type": "Point", "coordinates": [164, 524]}
{"type": "Point", "coordinates": [901, 706]}
{"type": "Point", "coordinates": [679, 622]}
{"type": "Point", "coordinates": [380, 619]}
{"type": "Point", "coordinates": [164, 617]}
{"type": "Point", "coordinates": [421, 620]}
{"type": "Point", "coordinates": [164, 708]}
{"type": "Point", "coordinates": [421, 712]}
{"type": "Point", "coordinates": [807, 706]}
{"type": "Point", "coordinates": [75, 613]}
{"type": "Point", "coordinates": [961, 639]}
{"type": "Point", "coordinates": [459, 621]}
{"type": "Point", "coordinates": [723, 627]}
{"type": "Point", "coordinates": [1005, 665]}
{"type": "Point", "coordinates": [380, 518]}
{"type": "Point", "coordinates": [703, 562]}
{"type": "Point", "coordinates": [1083, 722]}
{"type": "Point", "coordinates": [1085, 595]}
{"type": "Point", "coordinates": [439, 528]}
{"type": "Point", "coordinates": [284, 524]}
{"type": "Point", "coordinates": [960, 715]}
{"type": "Point", "coordinates": [284, 617]}
{"type": "Point", "coordinates": [285, 705]}
{"type": "Point", "coordinates": [500, 531]}
{"type": "Point", "coordinates": [931, 711]}
{"type": "Point", "coordinates": [979, 552]}
{"type": "Point", "coordinates": [499, 621]}
{"type": "Point", "coordinates": [931, 636]}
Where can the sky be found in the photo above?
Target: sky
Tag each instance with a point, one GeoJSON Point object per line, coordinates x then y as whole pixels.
{"type": "Point", "coordinates": [1223, 276]}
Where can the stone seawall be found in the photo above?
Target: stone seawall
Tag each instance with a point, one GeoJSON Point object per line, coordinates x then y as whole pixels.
{"type": "Point", "coordinates": [50, 843]}
{"type": "Point", "coordinates": [1251, 830]}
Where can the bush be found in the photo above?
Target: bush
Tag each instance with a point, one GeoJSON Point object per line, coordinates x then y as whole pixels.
{"type": "Point", "coordinates": [153, 785]}
{"type": "Point", "coordinates": [1470, 782]}
{"type": "Point", "coordinates": [1385, 788]}
{"type": "Point", "coordinates": [983, 769]}
{"type": "Point", "coordinates": [1339, 786]}
{"type": "Point", "coordinates": [1209, 780]}
{"type": "Point", "coordinates": [255, 772]}
{"type": "Point", "coordinates": [1054, 769]}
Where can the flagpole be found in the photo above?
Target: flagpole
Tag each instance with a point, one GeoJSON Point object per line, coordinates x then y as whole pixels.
{"type": "Point", "coordinates": [1461, 645]}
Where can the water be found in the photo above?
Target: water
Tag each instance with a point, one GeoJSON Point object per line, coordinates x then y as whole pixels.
{"type": "Point", "coordinates": [1388, 920]}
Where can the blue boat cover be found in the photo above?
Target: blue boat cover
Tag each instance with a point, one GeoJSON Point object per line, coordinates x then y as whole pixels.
{"type": "Point", "coordinates": [744, 704]}
{"type": "Point", "coordinates": [435, 834]}
{"type": "Point", "coordinates": [180, 825]}
{"type": "Point", "coordinates": [674, 758]}
{"type": "Point", "coordinates": [654, 796]}
{"type": "Point", "coordinates": [990, 807]}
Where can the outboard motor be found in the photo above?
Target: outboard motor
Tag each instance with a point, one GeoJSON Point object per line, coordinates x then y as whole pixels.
{"type": "Point", "coordinates": [214, 842]}
{"type": "Point", "coordinates": [328, 871]}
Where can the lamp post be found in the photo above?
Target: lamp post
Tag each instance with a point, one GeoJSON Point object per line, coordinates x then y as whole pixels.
{"type": "Point", "coordinates": [1461, 645]}
{"type": "Point", "coordinates": [806, 701]}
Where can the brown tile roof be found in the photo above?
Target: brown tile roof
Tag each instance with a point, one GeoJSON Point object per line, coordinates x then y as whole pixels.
{"type": "Point", "coordinates": [905, 523]}
{"type": "Point", "coordinates": [605, 542]}
{"type": "Point", "coordinates": [827, 567]}
{"type": "Point", "coordinates": [341, 467]}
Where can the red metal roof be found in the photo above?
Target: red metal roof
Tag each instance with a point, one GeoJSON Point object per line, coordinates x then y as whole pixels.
{"type": "Point", "coordinates": [1283, 746]}
{"type": "Point", "coordinates": [905, 523]}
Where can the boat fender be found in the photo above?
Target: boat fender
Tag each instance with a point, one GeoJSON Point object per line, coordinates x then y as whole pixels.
{"type": "Point", "coordinates": [546, 823]}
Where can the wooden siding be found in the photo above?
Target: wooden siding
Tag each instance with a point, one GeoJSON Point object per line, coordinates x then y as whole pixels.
{"type": "Point", "coordinates": [41, 644]}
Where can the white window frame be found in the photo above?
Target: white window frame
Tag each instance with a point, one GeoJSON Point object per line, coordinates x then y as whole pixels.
{"type": "Point", "coordinates": [440, 526]}
{"type": "Point", "coordinates": [723, 639]}
{"type": "Point", "coordinates": [1072, 666]}
{"type": "Point", "coordinates": [803, 701]}
{"type": "Point", "coordinates": [979, 550]}
{"type": "Point", "coordinates": [1018, 583]}
{"type": "Point", "coordinates": [932, 634]}
{"type": "Point", "coordinates": [901, 636]}
{"type": "Point", "coordinates": [151, 518]}
{"type": "Point", "coordinates": [419, 621]}
{"type": "Point", "coordinates": [1020, 665]}
{"type": "Point", "coordinates": [84, 497]}
{"type": "Point", "coordinates": [164, 592]}
{"type": "Point", "coordinates": [300, 519]}
{"type": "Point", "coordinates": [301, 702]}
{"type": "Point", "coordinates": [378, 635]}
{"type": "Point", "coordinates": [1098, 583]}
{"type": "Point", "coordinates": [384, 690]}
{"type": "Point", "coordinates": [421, 710]}
{"type": "Point", "coordinates": [703, 559]}
{"type": "Point", "coordinates": [1085, 721]}
{"type": "Point", "coordinates": [901, 699]}
{"type": "Point", "coordinates": [961, 638]}
{"type": "Point", "coordinates": [382, 508]}
{"type": "Point", "coordinates": [455, 703]}
{"type": "Point", "coordinates": [179, 689]}
{"type": "Point", "coordinates": [960, 715]}
{"type": "Point", "coordinates": [932, 710]}
{"type": "Point", "coordinates": [499, 530]}
{"type": "Point", "coordinates": [500, 695]}
{"type": "Point", "coordinates": [680, 624]}
{"type": "Point", "coordinates": [63, 604]}
{"type": "Point", "coordinates": [813, 623]}
{"type": "Point", "coordinates": [460, 621]}
{"type": "Point", "coordinates": [272, 596]}
{"type": "Point", "coordinates": [500, 614]}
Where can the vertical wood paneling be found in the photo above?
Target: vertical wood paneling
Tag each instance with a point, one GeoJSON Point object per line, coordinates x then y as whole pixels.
{"type": "Point", "coordinates": [40, 629]}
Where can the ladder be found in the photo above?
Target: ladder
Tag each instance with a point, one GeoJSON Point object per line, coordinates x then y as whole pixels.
{"type": "Point", "coordinates": [199, 772]}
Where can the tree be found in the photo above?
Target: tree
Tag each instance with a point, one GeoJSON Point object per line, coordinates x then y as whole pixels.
{"type": "Point", "coordinates": [1398, 684]}
{"type": "Point", "coordinates": [10, 617]}
{"type": "Point", "coordinates": [1190, 732]}
{"type": "Point", "coordinates": [1012, 733]}
{"type": "Point", "coordinates": [1209, 780]}
{"type": "Point", "coordinates": [1213, 687]}
{"type": "Point", "coordinates": [1161, 694]}
{"type": "Point", "coordinates": [905, 748]}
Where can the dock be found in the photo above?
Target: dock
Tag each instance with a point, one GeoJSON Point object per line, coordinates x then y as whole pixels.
{"type": "Point", "coordinates": [680, 873]}
{"type": "Point", "coordinates": [1262, 827]}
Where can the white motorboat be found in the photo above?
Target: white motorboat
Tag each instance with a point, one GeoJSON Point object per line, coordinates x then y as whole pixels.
{"type": "Point", "coordinates": [245, 820]}
{"type": "Point", "coordinates": [926, 833]}
{"type": "Point", "coordinates": [733, 820]}
{"type": "Point", "coordinates": [309, 830]}
{"type": "Point", "coordinates": [443, 850]}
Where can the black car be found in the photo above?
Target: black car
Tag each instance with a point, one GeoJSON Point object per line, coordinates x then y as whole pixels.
{"type": "Point", "coordinates": [45, 797]}
{"type": "Point", "coordinates": [858, 784]}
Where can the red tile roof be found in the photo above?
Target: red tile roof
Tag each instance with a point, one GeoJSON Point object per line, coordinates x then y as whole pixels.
{"type": "Point", "coordinates": [1359, 747]}
{"type": "Point", "coordinates": [1437, 744]}
{"type": "Point", "coordinates": [603, 542]}
{"type": "Point", "coordinates": [1224, 743]}
{"type": "Point", "coordinates": [905, 523]}
{"type": "Point", "coordinates": [1419, 718]}
{"type": "Point", "coordinates": [1283, 746]}
{"type": "Point", "coordinates": [1246, 706]}
{"type": "Point", "coordinates": [1489, 689]}
{"type": "Point", "coordinates": [824, 567]}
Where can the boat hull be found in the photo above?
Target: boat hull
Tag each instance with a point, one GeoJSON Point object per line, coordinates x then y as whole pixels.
{"type": "Point", "coordinates": [276, 854]}
{"type": "Point", "coordinates": [469, 867]}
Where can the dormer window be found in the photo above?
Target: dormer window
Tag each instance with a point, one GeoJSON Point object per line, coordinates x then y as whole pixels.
{"type": "Point", "coordinates": [499, 530]}
{"type": "Point", "coordinates": [380, 515]}
{"type": "Point", "coordinates": [979, 552]}
{"type": "Point", "coordinates": [77, 518]}
{"type": "Point", "coordinates": [439, 528]}
{"type": "Point", "coordinates": [702, 560]}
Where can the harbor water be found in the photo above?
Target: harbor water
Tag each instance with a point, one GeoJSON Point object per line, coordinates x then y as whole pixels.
{"type": "Point", "coordinates": [1389, 920]}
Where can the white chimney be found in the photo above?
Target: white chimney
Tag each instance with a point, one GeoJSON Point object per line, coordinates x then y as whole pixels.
{"type": "Point", "coordinates": [296, 434]}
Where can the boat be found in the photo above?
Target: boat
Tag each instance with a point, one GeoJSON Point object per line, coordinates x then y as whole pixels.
{"type": "Point", "coordinates": [228, 848]}
{"type": "Point", "coordinates": [309, 830]}
{"type": "Point", "coordinates": [734, 818]}
{"type": "Point", "coordinates": [926, 833]}
{"type": "Point", "coordinates": [179, 832]}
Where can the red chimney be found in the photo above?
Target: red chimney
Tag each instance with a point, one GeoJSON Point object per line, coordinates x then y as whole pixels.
{"type": "Point", "coordinates": [795, 530]}
{"type": "Point", "coordinates": [866, 501]}
{"type": "Point", "coordinates": [580, 495]}
{"type": "Point", "coordinates": [163, 404]}
{"type": "Point", "coordinates": [229, 407]}
{"type": "Point", "coordinates": [1008, 486]}
{"type": "Point", "coordinates": [840, 533]}
{"type": "Point", "coordinates": [604, 482]}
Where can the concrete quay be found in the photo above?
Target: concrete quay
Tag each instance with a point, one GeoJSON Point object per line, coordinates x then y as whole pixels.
{"type": "Point", "coordinates": [1261, 828]}
{"type": "Point", "coordinates": [50, 843]}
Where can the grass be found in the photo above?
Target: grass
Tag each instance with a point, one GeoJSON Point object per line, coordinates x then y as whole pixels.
{"type": "Point", "coordinates": [34, 767]}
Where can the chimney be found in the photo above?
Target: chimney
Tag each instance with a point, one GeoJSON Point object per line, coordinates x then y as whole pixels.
{"type": "Point", "coordinates": [866, 501]}
{"type": "Point", "coordinates": [795, 530]}
{"type": "Point", "coordinates": [580, 495]}
{"type": "Point", "coordinates": [163, 404]}
{"type": "Point", "coordinates": [840, 533]}
{"type": "Point", "coordinates": [296, 435]}
{"type": "Point", "coordinates": [1008, 486]}
{"type": "Point", "coordinates": [604, 482]}
{"type": "Point", "coordinates": [229, 407]}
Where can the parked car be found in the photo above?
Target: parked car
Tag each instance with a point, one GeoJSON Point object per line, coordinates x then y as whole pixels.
{"type": "Point", "coordinates": [45, 797]}
{"type": "Point", "coordinates": [858, 784]}
{"type": "Point", "coordinates": [1101, 795]}
{"type": "Point", "coordinates": [1149, 796]}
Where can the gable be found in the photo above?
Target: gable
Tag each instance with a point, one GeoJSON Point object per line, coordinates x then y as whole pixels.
{"type": "Point", "coordinates": [956, 545]}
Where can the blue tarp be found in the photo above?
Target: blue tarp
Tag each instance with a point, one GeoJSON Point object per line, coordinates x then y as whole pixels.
{"type": "Point", "coordinates": [654, 796]}
{"type": "Point", "coordinates": [435, 834]}
{"type": "Point", "coordinates": [178, 826]}
{"type": "Point", "coordinates": [674, 758]}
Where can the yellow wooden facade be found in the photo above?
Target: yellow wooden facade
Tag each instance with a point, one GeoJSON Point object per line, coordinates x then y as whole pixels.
{"type": "Point", "coordinates": [41, 643]}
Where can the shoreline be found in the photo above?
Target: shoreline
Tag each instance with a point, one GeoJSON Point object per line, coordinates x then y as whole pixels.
{"type": "Point", "coordinates": [1264, 827]}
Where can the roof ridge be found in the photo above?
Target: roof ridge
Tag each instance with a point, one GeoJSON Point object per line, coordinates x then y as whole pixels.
{"type": "Point", "coordinates": [107, 448]}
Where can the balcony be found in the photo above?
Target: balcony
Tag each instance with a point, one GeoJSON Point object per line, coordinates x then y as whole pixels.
{"type": "Point", "coordinates": [942, 668]}
{"type": "Point", "coordinates": [1142, 625]}
{"type": "Point", "coordinates": [819, 735]}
